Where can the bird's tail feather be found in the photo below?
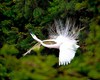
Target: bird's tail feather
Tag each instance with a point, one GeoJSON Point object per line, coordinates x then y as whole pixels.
{"type": "Point", "coordinates": [69, 29]}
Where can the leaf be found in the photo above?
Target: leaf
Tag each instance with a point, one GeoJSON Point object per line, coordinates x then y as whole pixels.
{"type": "Point", "coordinates": [9, 50]}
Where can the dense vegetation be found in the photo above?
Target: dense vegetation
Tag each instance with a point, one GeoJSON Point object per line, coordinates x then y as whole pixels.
{"type": "Point", "coordinates": [18, 16]}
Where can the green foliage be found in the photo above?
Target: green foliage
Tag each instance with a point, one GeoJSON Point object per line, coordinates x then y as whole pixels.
{"type": "Point", "coordinates": [37, 12]}
{"type": "Point", "coordinates": [8, 49]}
{"type": "Point", "coordinates": [3, 72]}
{"type": "Point", "coordinates": [80, 6]}
{"type": "Point", "coordinates": [18, 16]}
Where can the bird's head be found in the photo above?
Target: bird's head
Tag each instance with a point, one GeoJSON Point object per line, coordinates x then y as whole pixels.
{"type": "Point", "coordinates": [32, 34]}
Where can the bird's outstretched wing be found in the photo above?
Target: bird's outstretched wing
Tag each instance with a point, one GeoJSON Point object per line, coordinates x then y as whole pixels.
{"type": "Point", "coordinates": [67, 53]}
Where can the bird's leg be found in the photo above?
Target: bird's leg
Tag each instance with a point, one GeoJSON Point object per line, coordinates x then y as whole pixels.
{"type": "Point", "coordinates": [28, 51]}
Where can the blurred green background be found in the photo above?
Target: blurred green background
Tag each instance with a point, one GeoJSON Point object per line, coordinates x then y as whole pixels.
{"type": "Point", "coordinates": [18, 16]}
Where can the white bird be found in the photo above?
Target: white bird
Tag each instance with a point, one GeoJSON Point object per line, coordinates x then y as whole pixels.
{"type": "Point", "coordinates": [64, 38]}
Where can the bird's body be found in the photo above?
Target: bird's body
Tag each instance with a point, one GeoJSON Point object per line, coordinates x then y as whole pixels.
{"type": "Point", "coordinates": [64, 37]}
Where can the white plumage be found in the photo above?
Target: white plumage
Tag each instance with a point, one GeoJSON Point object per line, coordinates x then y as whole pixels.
{"type": "Point", "coordinates": [65, 38]}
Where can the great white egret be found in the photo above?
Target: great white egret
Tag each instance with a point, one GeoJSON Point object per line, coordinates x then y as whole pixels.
{"type": "Point", "coordinates": [63, 37]}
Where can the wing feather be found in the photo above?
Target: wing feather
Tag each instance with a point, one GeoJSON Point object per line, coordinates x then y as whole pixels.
{"type": "Point", "coordinates": [67, 53]}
